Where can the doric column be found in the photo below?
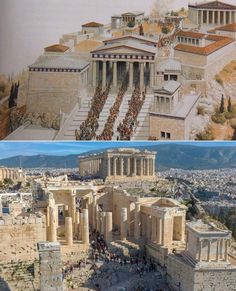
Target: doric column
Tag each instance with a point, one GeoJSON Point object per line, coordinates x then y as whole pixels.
{"type": "Point", "coordinates": [141, 82]}
{"type": "Point", "coordinates": [104, 73]}
{"type": "Point", "coordinates": [114, 166]}
{"type": "Point", "coordinates": [123, 224]}
{"type": "Point", "coordinates": [148, 167]}
{"type": "Point", "coordinates": [137, 221]}
{"type": "Point", "coordinates": [85, 227]}
{"type": "Point", "coordinates": [217, 250]}
{"type": "Point", "coordinates": [153, 167]}
{"type": "Point", "coordinates": [81, 218]}
{"type": "Point", "coordinates": [230, 17]}
{"type": "Point", "coordinates": [131, 75]}
{"type": "Point", "coordinates": [76, 225]}
{"type": "Point", "coordinates": [154, 229]}
{"type": "Point", "coordinates": [128, 167]}
{"type": "Point", "coordinates": [97, 218]}
{"type": "Point", "coordinates": [152, 73]}
{"type": "Point", "coordinates": [202, 12]}
{"type": "Point", "coordinates": [141, 167]}
{"type": "Point", "coordinates": [108, 234]}
{"type": "Point", "coordinates": [135, 167]}
{"type": "Point", "coordinates": [224, 18]}
{"type": "Point", "coordinates": [114, 74]}
{"type": "Point", "coordinates": [213, 17]}
{"type": "Point", "coordinates": [68, 231]}
{"type": "Point", "coordinates": [226, 250]}
{"type": "Point", "coordinates": [207, 17]}
{"type": "Point", "coordinates": [121, 166]}
{"type": "Point", "coordinates": [53, 225]}
{"type": "Point", "coordinates": [108, 167]}
{"type": "Point", "coordinates": [94, 73]}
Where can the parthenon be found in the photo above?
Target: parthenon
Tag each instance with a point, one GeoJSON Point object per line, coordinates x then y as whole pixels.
{"type": "Point", "coordinates": [119, 163]}
{"type": "Point", "coordinates": [212, 13]}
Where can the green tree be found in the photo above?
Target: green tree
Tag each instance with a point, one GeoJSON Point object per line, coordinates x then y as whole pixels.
{"type": "Point", "coordinates": [8, 181]}
{"type": "Point", "coordinates": [131, 24]}
{"type": "Point", "coordinates": [165, 30]}
{"type": "Point", "coordinates": [222, 104]}
{"type": "Point", "coordinates": [229, 107]}
{"type": "Point", "coordinates": [141, 32]}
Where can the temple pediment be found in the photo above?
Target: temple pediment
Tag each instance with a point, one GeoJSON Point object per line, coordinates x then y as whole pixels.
{"type": "Point", "coordinates": [214, 5]}
{"type": "Point", "coordinates": [125, 49]}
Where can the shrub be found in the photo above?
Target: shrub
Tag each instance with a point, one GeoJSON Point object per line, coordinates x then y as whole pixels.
{"type": "Point", "coordinates": [233, 123]}
{"type": "Point", "coordinates": [200, 110]}
{"type": "Point", "coordinates": [219, 80]}
{"type": "Point", "coordinates": [218, 118]}
{"type": "Point", "coordinates": [229, 115]}
{"type": "Point", "coordinates": [165, 30]}
{"type": "Point", "coordinates": [205, 135]}
{"type": "Point", "coordinates": [131, 24]}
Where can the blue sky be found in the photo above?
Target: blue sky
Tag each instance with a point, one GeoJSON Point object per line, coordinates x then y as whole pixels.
{"type": "Point", "coordinates": [9, 149]}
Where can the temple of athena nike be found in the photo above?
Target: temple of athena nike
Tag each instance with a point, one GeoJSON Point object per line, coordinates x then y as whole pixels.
{"type": "Point", "coordinates": [127, 80]}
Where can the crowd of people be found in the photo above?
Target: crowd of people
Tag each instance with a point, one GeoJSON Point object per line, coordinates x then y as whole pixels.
{"type": "Point", "coordinates": [129, 124]}
{"type": "Point", "coordinates": [87, 130]}
{"type": "Point", "coordinates": [114, 112]}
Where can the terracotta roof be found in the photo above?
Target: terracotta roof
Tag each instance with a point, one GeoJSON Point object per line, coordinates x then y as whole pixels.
{"type": "Point", "coordinates": [56, 48]}
{"type": "Point", "coordinates": [218, 43]}
{"type": "Point", "coordinates": [92, 24]}
{"type": "Point", "coordinates": [229, 27]}
{"type": "Point", "coordinates": [214, 5]}
{"type": "Point", "coordinates": [190, 34]}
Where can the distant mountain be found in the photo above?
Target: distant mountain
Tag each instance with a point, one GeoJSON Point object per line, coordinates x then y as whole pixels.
{"type": "Point", "coordinates": [168, 156]}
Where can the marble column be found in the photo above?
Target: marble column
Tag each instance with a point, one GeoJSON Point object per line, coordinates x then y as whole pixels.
{"type": "Point", "coordinates": [114, 166]}
{"type": "Point", "coordinates": [108, 234]}
{"type": "Point", "coordinates": [137, 220]}
{"type": "Point", "coordinates": [219, 17]}
{"type": "Point", "coordinates": [94, 73]}
{"type": "Point", "coordinates": [104, 73]}
{"type": "Point", "coordinates": [226, 250]}
{"type": "Point", "coordinates": [81, 222]}
{"type": "Point", "coordinates": [114, 74]}
{"type": "Point", "coordinates": [199, 249]}
{"type": "Point", "coordinates": [207, 17]}
{"type": "Point", "coordinates": [97, 218]}
{"type": "Point", "coordinates": [230, 17]}
{"type": "Point", "coordinates": [148, 167]}
{"type": "Point", "coordinates": [122, 166]}
{"type": "Point", "coordinates": [128, 170]}
{"type": "Point", "coordinates": [53, 225]}
{"type": "Point", "coordinates": [135, 167]}
{"type": "Point", "coordinates": [202, 18]}
{"type": "Point", "coordinates": [108, 167]}
{"type": "Point", "coordinates": [217, 250]}
{"type": "Point", "coordinates": [152, 75]}
{"type": "Point", "coordinates": [76, 224]}
{"type": "Point", "coordinates": [141, 167]}
{"type": "Point", "coordinates": [224, 17]}
{"type": "Point", "coordinates": [131, 75]}
{"type": "Point", "coordinates": [141, 82]}
{"type": "Point", "coordinates": [85, 227]}
{"type": "Point", "coordinates": [213, 17]}
{"type": "Point", "coordinates": [123, 223]}
{"type": "Point", "coordinates": [68, 231]}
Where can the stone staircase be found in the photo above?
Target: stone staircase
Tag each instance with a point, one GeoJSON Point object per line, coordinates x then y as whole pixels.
{"type": "Point", "coordinates": [142, 130]}
{"type": "Point", "coordinates": [105, 113]}
{"type": "Point", "coordinates": [122, 112]}
{"type": "Point", "coordinates": [74, 120]}
{"type": "Point", "coordinates": [20, 276]}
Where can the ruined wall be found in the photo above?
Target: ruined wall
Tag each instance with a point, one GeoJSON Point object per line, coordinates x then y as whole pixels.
{"type": "Point", "coordinates": [21, 235]}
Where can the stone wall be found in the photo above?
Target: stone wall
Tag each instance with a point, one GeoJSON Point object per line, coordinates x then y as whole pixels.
{"type": "Point", "coordinates": [182, 276]}
{"type": "Point", "coordinates": [167, 124]}
{"type": "Point", "coordinates": [21, 235]}
{"type": "Point", "coordinates": [52, 92]}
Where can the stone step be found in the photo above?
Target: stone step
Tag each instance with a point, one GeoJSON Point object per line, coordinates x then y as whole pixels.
{"type": "Point", "coordinates": [74, 120]}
